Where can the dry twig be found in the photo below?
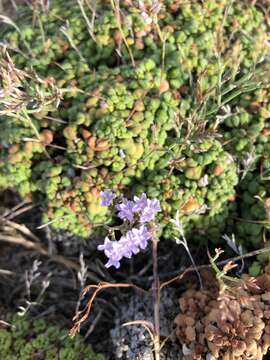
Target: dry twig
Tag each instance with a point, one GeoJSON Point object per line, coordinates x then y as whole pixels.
{"type": "Point", "coordinates": [83, 315]}
{"type": "Point", "coordinates": [208, 266]}
{"type": "Point", "coordinates": [6, 272]}
{"type": "Point", "coordinates": [30, 245]}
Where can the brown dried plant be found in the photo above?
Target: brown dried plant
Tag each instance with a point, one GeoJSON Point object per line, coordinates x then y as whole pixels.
{"type": "Point", "coordinates": [229, 323]}
{"type": "Point", "coordinates": [24, 91]}
{"type": "Point", "coordinates": [82, 315]}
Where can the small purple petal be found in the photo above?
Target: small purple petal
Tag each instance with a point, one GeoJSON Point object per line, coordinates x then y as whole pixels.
{"type": "Point", "coordinates": [140, 203]}
{"type": "Point", "coordinates": [141, 236]}
{"type": "Point", "coordinates": [113, 251]}
{"type": "Point", "coordinates": [149, 212]}
{"type": "Point", "coordinates": [129, 245]}
{"type": "Point", "coordinates": [107, 247]}
{"type": "Point", "coordinates": [134, 240]}
{"type": "Point", "coordinates": [107, 197]}
{"type": "Point", "coordinates": [112, 262]}
{"type": "Point", "coordinates": [126, 210]}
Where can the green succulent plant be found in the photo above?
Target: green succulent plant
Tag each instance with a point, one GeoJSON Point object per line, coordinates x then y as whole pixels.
{"type": "Point", "coordinates": [197, 183]}
{"type": "Point", "coordinates": [168, 100]}
{"type": "Point", "coordinates": [254, 210]}
{"type": "Point", "coordinates": [28, 339]}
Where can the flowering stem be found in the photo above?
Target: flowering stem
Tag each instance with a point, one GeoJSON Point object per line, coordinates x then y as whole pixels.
{"type": "Point", "coordinates": [156, 299]}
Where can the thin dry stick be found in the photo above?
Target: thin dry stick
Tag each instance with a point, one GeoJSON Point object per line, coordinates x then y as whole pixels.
{"type": "Point", "coordinates": [4, 323]}
{"type": "Point", "coordinates": [88, 23]}
{"type": "Point", "coordinates": [20, 227]}
{"type": "Point", "coordinates": [14, 208]}
{"type": "Point", "coordinates": [178, 277]}
{"type": "Point", "coordinates": [18, 240]}
{"type": "Point", "coordinates": [146, 324]}
{"type": "Point", "coordinates": [116, 7]}
{"type": "Point", "coordinates": [6, 272]}
{"type": "Point", "coordinates": [36, 132]}
{"type": "Point", "coordinates": [93, 325]}
{"type": "Point", "coordinates": [156, 299]}
{"type": "Point", "coordinates": [207, 266]}
{"type": "Point", "coordinates": [7, 20]}
{"type": "Point", "coordinates": [40, 142]}
{"type": "Point", "coordinates": [82, 315]}
{"type": "Point", "coordinates": [12, 214]}
{"type": "Point", "coordinates": [64, 31]}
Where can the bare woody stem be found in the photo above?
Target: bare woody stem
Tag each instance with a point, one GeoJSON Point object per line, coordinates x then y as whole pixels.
{"type": "Point", "coordinates": [156, 299]}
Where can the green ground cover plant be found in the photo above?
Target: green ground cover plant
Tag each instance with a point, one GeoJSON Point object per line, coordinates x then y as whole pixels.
{"type": "Point", "coordinates": [170, 100]}
{"type": "Point", "coordinates": [27, 339]}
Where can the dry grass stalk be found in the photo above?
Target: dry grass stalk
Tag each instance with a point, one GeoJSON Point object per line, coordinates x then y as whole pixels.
{"type": "Point", "coordinates": [83, 315]}
{"type": "Point", "coordinates": [24, 90]}
{"type": "Point", "coordinates": [19, 235]}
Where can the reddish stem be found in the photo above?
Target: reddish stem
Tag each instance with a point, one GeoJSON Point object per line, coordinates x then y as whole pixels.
{"type": "Point", "coordinates": [156, 298]}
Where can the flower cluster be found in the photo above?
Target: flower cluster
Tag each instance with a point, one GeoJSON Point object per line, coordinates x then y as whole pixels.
{"type": "Point", "coordinates": [129, 244]}
{"type": "Point", "coordinates": [142, 206]}
{"type": "Point", "coordinates": [138, 213]}
{"type": "Point", "coordinates": [107, 197]}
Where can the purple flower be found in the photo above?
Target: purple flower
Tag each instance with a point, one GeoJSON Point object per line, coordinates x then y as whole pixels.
{"type": "Point", "coordinates": [141, 236]}
{"type": "Point", "coordinates": [140, 203]}
{"type": "Point", "coordinates": [126, 210]}
{"type": "Point", "coordinates": [113, 262]}
{"type": "Point", "coordinates": [107, 197]}
{"type": "Point", "coordinates": [128, 246]}
{"type": "Point", "coordinates": [150, 210]}
{"type": "Point", "coordinates": [136, 238]}
{"type": "Point", "coordinates": [107, 247]}
{"type": "Point", "coordinates": [146, 207]}
{"type": "Point", "coordinates": [112, 250]}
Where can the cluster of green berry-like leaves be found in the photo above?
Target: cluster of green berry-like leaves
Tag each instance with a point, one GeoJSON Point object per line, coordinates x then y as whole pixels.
{"type": "Point", "coordinates": [37, 339]}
